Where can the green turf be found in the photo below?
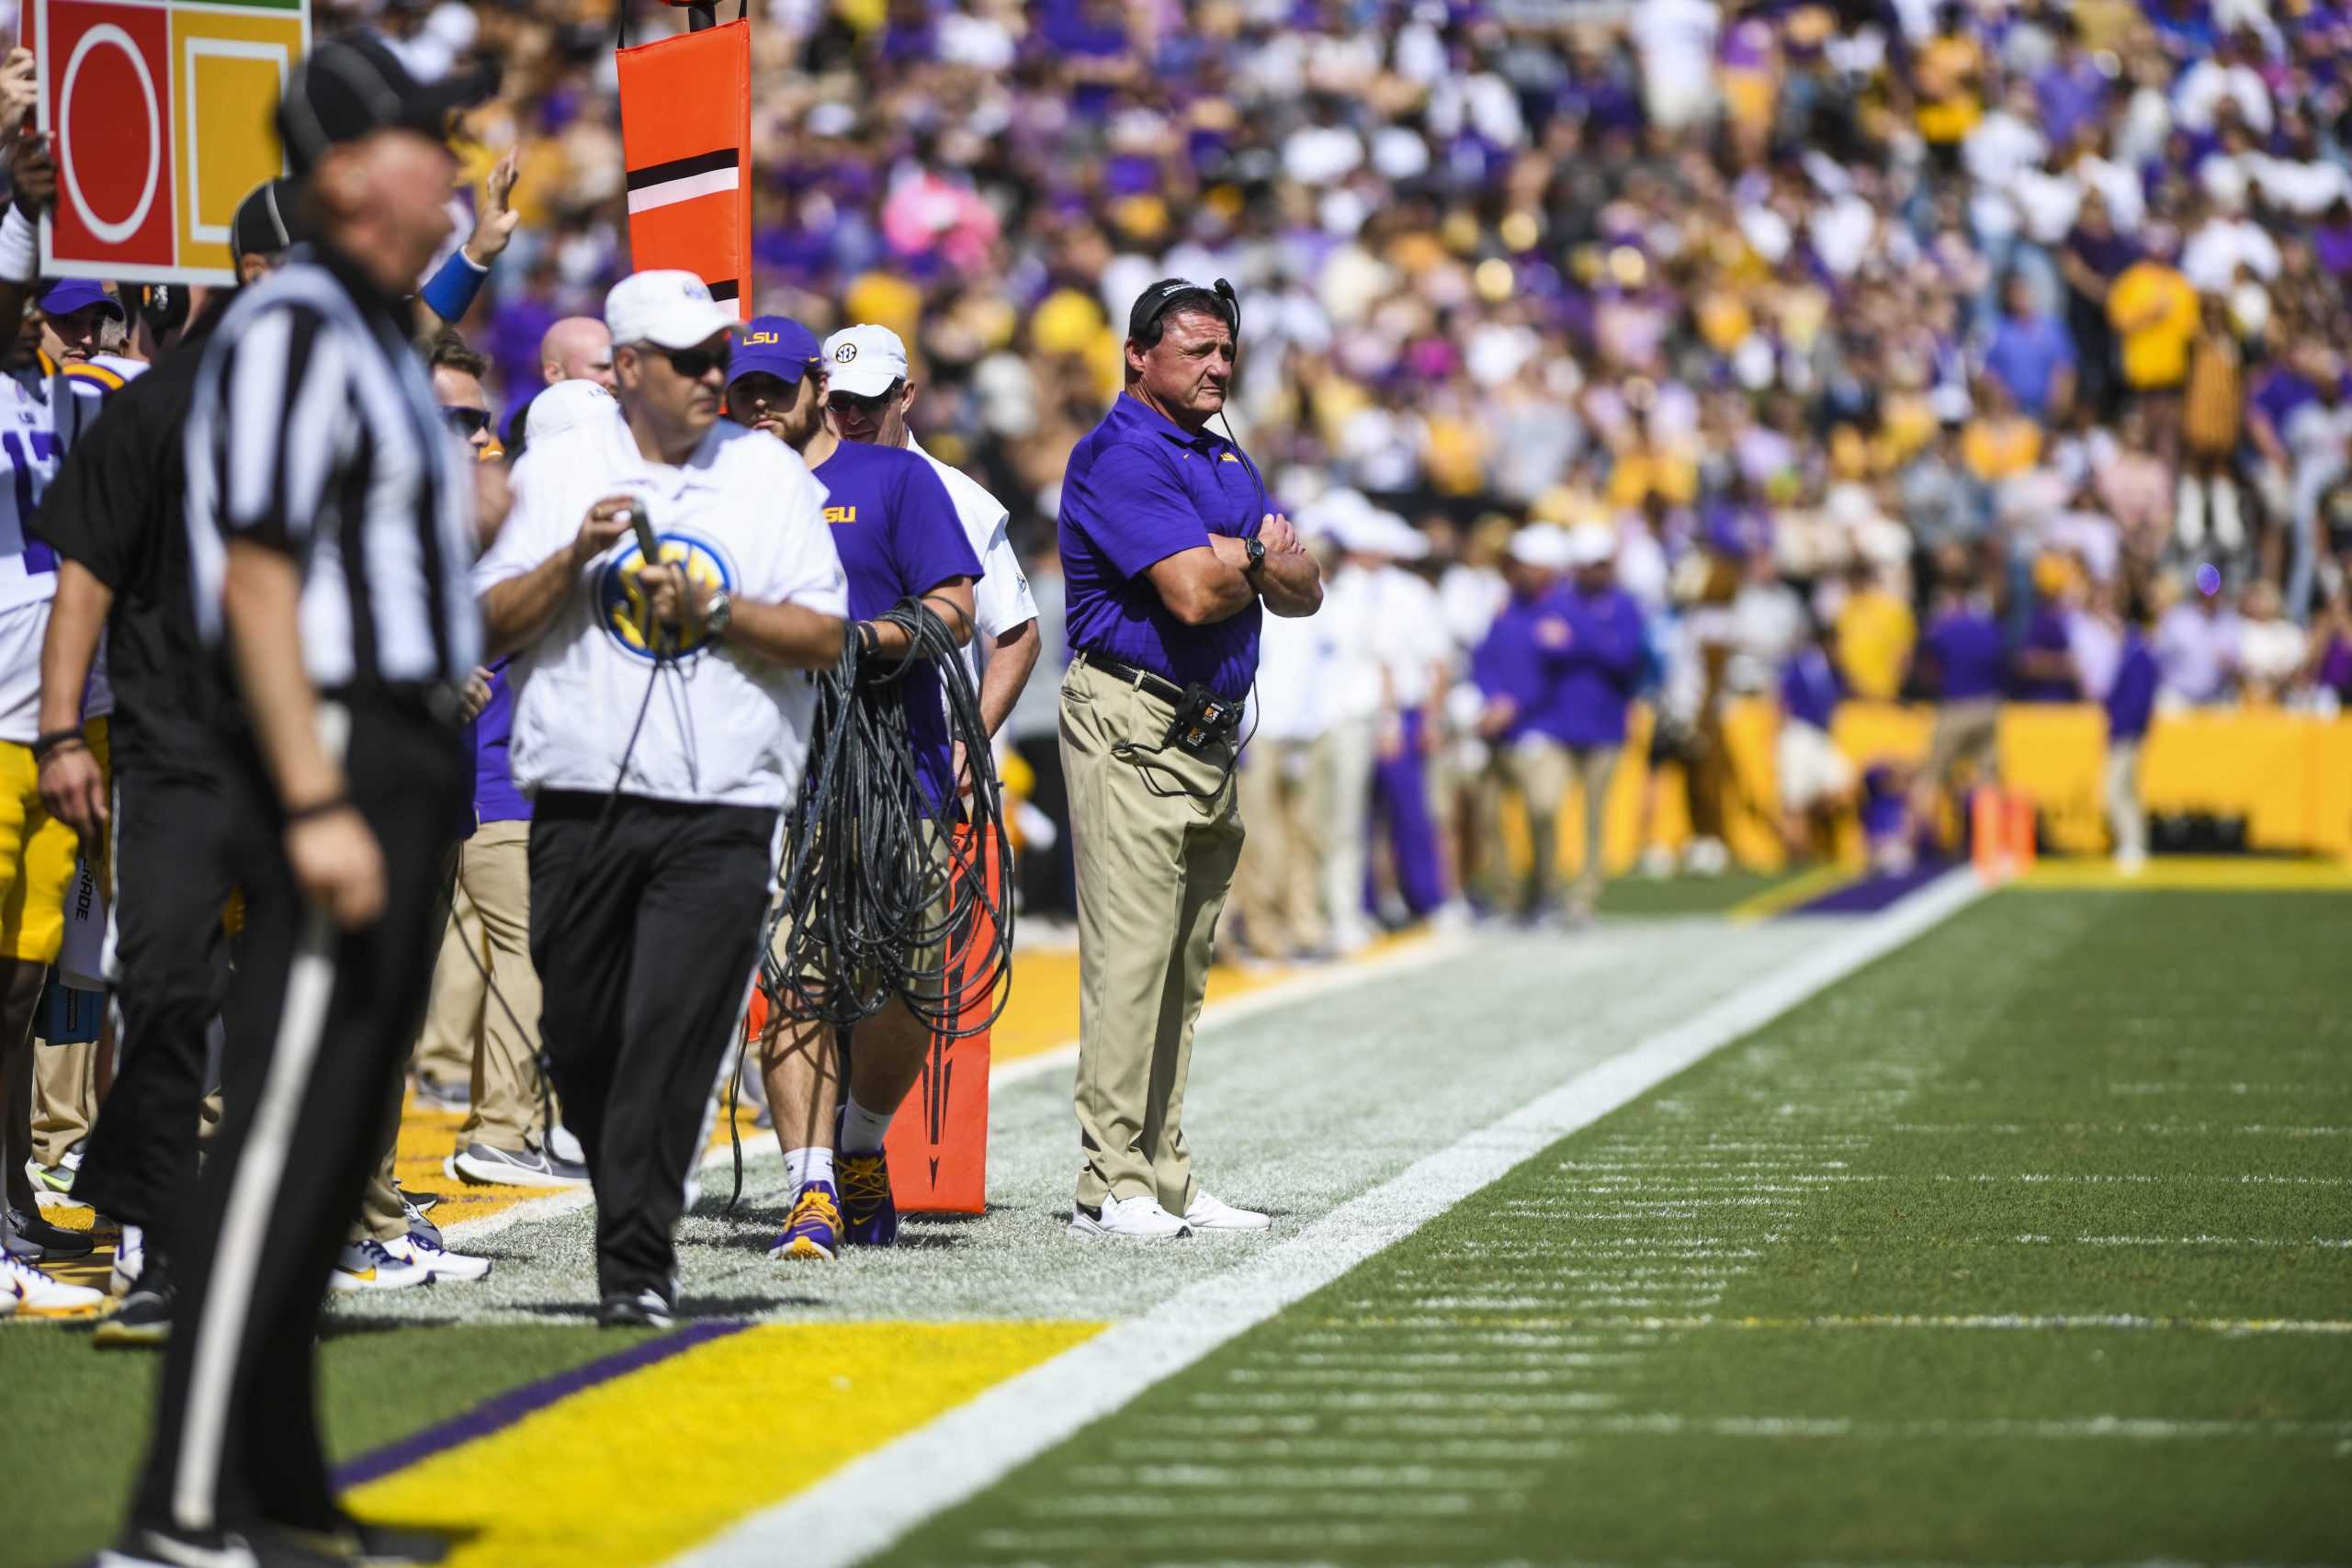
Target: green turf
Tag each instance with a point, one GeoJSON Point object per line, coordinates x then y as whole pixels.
{"type": "Point", "coordinates": [2078, 1104]}
{"type": "Point", "coordinates": [1654, 896]}
{"type": "Point", "coordinates": [78, 1416]}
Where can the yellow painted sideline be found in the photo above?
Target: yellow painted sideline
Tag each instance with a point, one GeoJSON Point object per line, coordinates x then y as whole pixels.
{"type": "Point", "coordinates": [635, 1471]}
{"type": "Point", "coordinates": [2210, 874]}
{"type": "Point", "coordinates": [1788, 895]}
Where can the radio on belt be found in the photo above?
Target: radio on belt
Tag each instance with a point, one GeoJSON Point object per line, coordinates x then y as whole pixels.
{"type": "Point", "coordinates": [1202, 717]}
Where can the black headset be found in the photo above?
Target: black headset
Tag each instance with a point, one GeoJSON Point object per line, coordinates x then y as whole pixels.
{"type": "Point", "coordinates": [1153, 302]}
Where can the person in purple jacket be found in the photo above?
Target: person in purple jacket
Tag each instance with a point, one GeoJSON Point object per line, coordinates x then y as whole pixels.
{"type": "Point", "coordinates": [1512, 667]}
{"type": "Point", "coordinates": [504, 1141]}
{"type": "Point", "coordinates": [1594, 673]}
{"type": "Point", "coordinates": [1816, 779]}
{"type": "Point", "coordinates": [2130, 704]}
{"type": "Point", "coordinates": [1962, 659]}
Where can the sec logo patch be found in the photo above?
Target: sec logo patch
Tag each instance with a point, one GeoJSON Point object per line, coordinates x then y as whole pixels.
{"type": "Point", "coordinates": [625, 611]}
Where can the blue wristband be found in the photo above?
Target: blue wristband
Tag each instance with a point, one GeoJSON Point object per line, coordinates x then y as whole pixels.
{"type": "Point", "coordinates": [452, 290]}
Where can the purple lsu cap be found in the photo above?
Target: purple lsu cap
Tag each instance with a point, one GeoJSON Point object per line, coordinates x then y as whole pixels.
{"type": "Point", "coordinates": [68, 295]}
{"type": "Point", "coordinates": [774, 345]}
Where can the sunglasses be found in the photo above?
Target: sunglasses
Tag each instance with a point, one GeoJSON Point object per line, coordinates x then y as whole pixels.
{"type": "Point", "coordinates": [467, 423]}
{"type": "Point", "coordinates": [849, 402]}
{"type": "Point", "coordinates": [694, 363]}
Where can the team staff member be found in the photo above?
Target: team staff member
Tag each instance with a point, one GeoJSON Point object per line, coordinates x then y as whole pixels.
{"type": "Point", "coordinates": [898, 538]}
{"type": "Point", "coordinates": [657, 760]}
{"type": "Point", "coordinates": [330, 522]}
{"type": "Point", "coordinates": [1168, 555]}
{"type": "Point", "coordinates": [117, 521]}
{"type": "Point", "coordinates": [869, 396]}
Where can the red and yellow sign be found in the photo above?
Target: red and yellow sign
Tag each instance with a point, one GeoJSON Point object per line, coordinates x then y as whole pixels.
{"type": "Point", "coordinates": [161, 115]}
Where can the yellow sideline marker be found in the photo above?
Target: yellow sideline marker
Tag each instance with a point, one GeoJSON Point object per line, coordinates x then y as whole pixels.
{"type": "Point", "coordinates": [2210, 874]}
{"type": "Point", "coordinates": [637, 1469]}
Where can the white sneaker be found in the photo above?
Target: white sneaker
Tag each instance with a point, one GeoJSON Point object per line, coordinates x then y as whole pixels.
{"type": "Point", "coordinates": [564, 1147]}
{"type": "Point", "coordinates": [371, 1266]}
{"type": "Point", "coordinates": [1129, 1219]}
{"type": "Point", "coordinates": [129, 1261]}
{"type": "Point", "coordinates": [438, 1260]}
{"type": "Point", "coordinates": [26, 1291]}
{"type": "Point", "coordinates": [1209, 1213]}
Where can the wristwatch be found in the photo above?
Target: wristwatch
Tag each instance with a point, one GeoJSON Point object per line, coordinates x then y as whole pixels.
{"type": "Point", "coordinates": [718, 614]}
{"type": "Point", "coordinates": [1255, 548]}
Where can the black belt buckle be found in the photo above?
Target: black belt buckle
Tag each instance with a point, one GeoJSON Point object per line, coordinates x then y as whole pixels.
{"type": "Point", "coordinates": [1203, 718]}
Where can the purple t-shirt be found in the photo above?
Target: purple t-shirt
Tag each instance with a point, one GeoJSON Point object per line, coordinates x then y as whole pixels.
{"type": "Point", "coordinates": [898, 536]}
{"type": "Point", "coordinates": [1597, 671]}
{"type": "Point", "coordinates": [495, 797]}
{"type": "Point", "coordinates": [1967, 648]}
{"type": "Point", "coordinates": [1512, 661]}
{"type": "Point", "coordinates": [1809, 688]}
{"type": "Point", "coordinates": [1139, 489]}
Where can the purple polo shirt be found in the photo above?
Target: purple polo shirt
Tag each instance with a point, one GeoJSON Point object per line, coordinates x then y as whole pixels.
{"type": "Point", "coordinates": [1596, 672]}
{"type": "Point", "coordinates": [898, 536]}
{"type": "Point", "coordinates": [1511, 663]}
{"type": "Point", "coordinates": [1139, 489]}
{"type": "Point", "coordinates": [2131, 701]}
{"type": "Point", "coordinates": [1809, 688]}
{"type": "Point", "coordinates": [1967, 647]}
{"type": "Point", "coordinates": [495, 797]}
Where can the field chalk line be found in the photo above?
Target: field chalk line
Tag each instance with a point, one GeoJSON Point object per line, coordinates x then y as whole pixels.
{"type": "Point", "coordinates": [863, 1507]}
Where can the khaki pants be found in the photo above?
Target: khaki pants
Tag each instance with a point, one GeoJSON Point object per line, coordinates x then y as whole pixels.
{"type": "Point", "coordinates": [1281, 882]}
{"type": "Point", "coordinates": [65, 1097]}
{"type": "Point", "coordinates": [490, 914]}
{"type": "Point", "coordinates": [2125, 817]}
{"type": "Point", "coordinates": [1345, 756]}
{"type": "Point", "coordinates": [1542, 769]}
{"type": "Point", "coordinates": [1154, 864]}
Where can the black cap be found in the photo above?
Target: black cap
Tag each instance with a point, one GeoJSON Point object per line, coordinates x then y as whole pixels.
{"type": "Point", "coordinates": [1182, 294]}
{"type": "Point", "coordinates": [266, 222]}
{"type": "Point", "coordinates": [355, 85]}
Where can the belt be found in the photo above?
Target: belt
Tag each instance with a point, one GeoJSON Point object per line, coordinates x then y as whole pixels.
{"type": "Point", "coordinates": [1160, 686]}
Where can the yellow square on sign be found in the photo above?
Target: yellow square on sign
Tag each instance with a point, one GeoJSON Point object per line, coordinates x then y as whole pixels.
{"type": "Point", "coordinates": [228, 71]}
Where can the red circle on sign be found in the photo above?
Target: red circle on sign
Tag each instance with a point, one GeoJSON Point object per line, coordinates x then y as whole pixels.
{"type": "Point", "coordinates": [106, 73]}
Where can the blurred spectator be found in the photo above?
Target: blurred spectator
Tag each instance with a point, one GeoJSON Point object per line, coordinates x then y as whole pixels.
{"type": "Point", "coordinates": [1875, 631]}
{"type": "Point", "coordinates": [2130, 697]}
{"type": "Point", "coordinates": [2197, 645]}
{"type": "Point", "coordinates": [2031, 353]}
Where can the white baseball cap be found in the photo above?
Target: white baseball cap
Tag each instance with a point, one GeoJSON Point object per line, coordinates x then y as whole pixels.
{"type": "Point", "coordinates": [568, 405]}
{"type": "Point", "coordinates": [1591, 544]}
{"type": "Point", "coordinates": [1399, 539]}
{"type": "Point", "coordinates": [864, 360]}
{"type": "Point", "coordinates": [1543, 545]}
{"type": "Point", "coordinates": [669, 309]}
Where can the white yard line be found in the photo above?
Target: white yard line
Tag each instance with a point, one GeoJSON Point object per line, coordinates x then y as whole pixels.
{"type": "Point", "coordinates": [866, 1505]}
{"type": "Point", "coordinates": [1403, 959]}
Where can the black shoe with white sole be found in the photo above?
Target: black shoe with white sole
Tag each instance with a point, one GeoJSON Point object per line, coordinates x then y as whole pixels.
{"type": "Point", "coordinates": [29, 1236]}
{"type": "Point", "coordinates": [634, 1309]}
{"type": "Point", "coordinates": [220, 1548]}
{"type": "Point", "coordinates": [528, 1167]}
{"type": "Point", "coordinates": [143, 1318]}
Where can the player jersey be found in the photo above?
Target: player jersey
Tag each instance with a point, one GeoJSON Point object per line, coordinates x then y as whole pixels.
{"type": "Point", "coordinates": [39, 417]}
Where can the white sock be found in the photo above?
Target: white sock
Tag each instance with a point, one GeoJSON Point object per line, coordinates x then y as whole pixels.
{"type": "Point", "coordinates": [862, 1129]}
{"type": "Point", "coordinates": [802, 1167]}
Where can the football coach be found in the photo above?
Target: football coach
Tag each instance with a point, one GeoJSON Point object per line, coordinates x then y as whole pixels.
{"type": "Point", "coordinates": [1168, 551]}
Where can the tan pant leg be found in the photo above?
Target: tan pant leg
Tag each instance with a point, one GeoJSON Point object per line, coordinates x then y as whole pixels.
{"type": "Point", "coordinates": [65, 1098]}
{"type": "Point", "coordinates": [1305, 806]}
{"type": "Point", "coordinates": [1153, 870]}
{"type": "Point", "coordinates": [494, 869]}
{"type": "Point", "coordinates": [381, 1215]}
{"type": "Point", "coordinates": [2126, 819]}
{"type": "Point", "coordinates": [1266, 865]}
{"type": "Point", "coordinates": [1594, 767]}
{"type": "Point", "coordinates": [1538, 767]}
{"type": "Point", "coordinates": [454, 1011]}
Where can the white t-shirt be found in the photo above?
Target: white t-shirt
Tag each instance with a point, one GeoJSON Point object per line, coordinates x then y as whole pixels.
{"type": "Point", "coordinates": [1000, 599]}
{"type": "Point", "coordinates": [1412, 637]}
{"type": "Point", "coordinates": [31, 446]}
{"type": "Point", "coordinates": [725, 726]}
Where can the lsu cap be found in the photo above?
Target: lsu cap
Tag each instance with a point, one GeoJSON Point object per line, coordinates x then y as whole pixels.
{"type": "Point", "coordinates": [1540, 544]}
{"type": "Point", "coordinates": [354, 86]}
{"type": "Point", "coordinates": [774, 345]}
{"type": "Point", "coordinates": [68, 295]}
{"type": "Point", "coordinates": [265, 224]}
{"type": "Point", "coordinates": [865, 361]}
{"type": "Point", "coordinates": [666, 308]}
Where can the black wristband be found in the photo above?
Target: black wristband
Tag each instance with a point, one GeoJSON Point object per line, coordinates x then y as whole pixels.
{"type": "Point", "coordinates": [317, 808]}
{"type": "Point", "coordinates": [45, 743]}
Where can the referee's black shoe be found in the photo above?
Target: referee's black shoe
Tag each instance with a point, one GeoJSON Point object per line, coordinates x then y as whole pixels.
{"type": "Point", "coordinates": [32, 1236]}
{"type": "Point", "coordinates": [218, 1549]}
{"type": "Point", "coordinates": [635, 1309]}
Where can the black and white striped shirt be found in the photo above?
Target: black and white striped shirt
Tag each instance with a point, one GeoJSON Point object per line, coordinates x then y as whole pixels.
{"type": "Point", "coordinates": [315, 431]}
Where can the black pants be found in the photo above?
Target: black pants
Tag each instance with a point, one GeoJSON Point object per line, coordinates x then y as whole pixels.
{"type": "Point", "coordinates": [1049, 879]}
{"type": "Point", "coordinates": [171, 884]}
{"type": "Point", "coordinates": [320, 1022]}
{"type": "Point", "coordinates": [646, 931]}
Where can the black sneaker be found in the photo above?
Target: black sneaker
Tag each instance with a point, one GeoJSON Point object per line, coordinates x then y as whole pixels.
{"type": "Point", "coordinates": [143, 1320]}
{"type": "Point", "coordinates": [220, 1548]}
{"type": "Point", "coordinates": [634, 1309]}
{"type": "Point", "coordinates": [385, 1546]}
{"type": "Point", "coordinates": [34, 1238]}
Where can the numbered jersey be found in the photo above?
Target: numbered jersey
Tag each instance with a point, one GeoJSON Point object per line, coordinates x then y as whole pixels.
{"type": "Point", "coordinates": [40, 415]}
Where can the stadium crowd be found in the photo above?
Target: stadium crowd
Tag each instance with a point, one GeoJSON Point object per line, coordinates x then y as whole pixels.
{"type": "Point", "coordinates": [1620, 362]}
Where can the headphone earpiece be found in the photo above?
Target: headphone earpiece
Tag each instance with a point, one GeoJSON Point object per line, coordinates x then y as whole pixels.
{"type": "Point", "coordinates": [1223, 291]}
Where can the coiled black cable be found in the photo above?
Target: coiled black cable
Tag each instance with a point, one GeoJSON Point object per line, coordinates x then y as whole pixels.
{"type": "Point", "coordinates": [882, 898]}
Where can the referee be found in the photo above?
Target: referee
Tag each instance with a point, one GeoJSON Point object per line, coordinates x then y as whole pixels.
{"type": "Point", "coordinates": [1168, 554]}
{"type": "Point", "coordinates": [661, 716]}
{"type": "Point", "coordinates": [329, 520]}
